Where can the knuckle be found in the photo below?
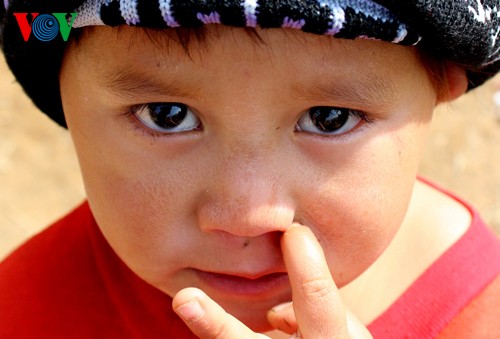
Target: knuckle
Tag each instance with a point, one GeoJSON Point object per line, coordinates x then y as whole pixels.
{"type": "Point", "coordinates": [217, 331]}
{"type": "Point", "coordinates": [317, 287]}
{"type": "Point", "coordinates": [207, 329]}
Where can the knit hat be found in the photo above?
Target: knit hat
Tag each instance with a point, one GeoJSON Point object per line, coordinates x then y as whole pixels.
{"type": "Point", "coordinates": [462, 31]}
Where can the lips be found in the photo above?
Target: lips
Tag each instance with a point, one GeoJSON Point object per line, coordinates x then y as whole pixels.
{"type": "Point", "coordinates": [243, 284]}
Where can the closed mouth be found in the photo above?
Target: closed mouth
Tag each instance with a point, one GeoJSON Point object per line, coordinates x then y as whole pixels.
{"type": "Point", "coordinates": [256, 285]}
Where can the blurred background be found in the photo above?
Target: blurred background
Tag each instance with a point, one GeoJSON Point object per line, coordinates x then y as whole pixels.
{"type": "Point", "coordinates": [40, 180]}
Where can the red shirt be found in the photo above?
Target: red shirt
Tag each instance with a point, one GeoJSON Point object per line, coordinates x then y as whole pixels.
{"type": "Point", "coordinates": [445, 290]}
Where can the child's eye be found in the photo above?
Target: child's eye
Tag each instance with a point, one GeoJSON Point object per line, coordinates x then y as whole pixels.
{"type": "Point", "coordinates": [329, 120]}
{"type": "Point", "coordinates": [168, 117]}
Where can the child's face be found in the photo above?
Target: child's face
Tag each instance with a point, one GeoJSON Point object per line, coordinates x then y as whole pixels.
{"type": "Point", "coordinates": [214, 194]}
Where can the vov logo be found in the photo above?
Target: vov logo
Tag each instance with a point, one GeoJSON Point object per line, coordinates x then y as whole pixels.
{"type": "Point", "coordinates": [45, 26]}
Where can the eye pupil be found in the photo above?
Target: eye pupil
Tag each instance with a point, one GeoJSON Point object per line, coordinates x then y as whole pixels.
{"type": "Point", "coordinates": [168, 115]}
{"type": "Point", "coordinates": [329, 119]}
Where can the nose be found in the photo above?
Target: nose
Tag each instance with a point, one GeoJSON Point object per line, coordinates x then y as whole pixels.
{"type": "Point", "coordinates": [247, 197]}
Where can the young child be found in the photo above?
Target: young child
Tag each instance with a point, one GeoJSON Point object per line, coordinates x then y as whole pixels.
{"type": "Point", "coordinates": [251, 166]}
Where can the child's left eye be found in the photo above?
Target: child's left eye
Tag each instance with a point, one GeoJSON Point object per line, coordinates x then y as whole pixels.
{"type": "Point", "coordinates": [329, 120]}
{"type": "Point", "coordinates": [167, 117]}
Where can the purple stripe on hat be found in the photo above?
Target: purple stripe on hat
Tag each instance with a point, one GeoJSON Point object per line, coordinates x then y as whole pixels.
{"type": "Point", "coordinates": [290, 23]}
{"type": "Point", "coordinates": [128, 9]}
{"type": "Point", "coordinates": [166, 13]}
{"type": "Point", "coordinates": [212, 18]}
{"type": "Point", "coordinates": [89, 13]}
{"type": "Point", "coordinates": [338, 20]}
{"type": "Point", "coordinates": [402, 33]}
{"type": "Point", "coordinates": [250, 8]}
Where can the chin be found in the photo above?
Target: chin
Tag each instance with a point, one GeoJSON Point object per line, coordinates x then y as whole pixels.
{"type": "Point", "coordinates": [256, 322]}
{"type": "Point", "coordinates": [252, 314]}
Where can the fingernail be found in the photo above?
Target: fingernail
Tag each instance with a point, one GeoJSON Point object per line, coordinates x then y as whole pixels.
{"type": "Point", "coordinates": [190, 311]}
{"type": "Point", "coordinates": [281, 307]}
{"type": "Point", "coordinates": [295, 224]}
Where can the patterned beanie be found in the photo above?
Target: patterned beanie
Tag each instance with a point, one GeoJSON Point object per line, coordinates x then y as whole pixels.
{"type": "Point", "coordinates": [462, 31]}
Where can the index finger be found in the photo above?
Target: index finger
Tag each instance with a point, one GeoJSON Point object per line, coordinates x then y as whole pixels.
{"type": "Point", "coordinates": [316, 299]}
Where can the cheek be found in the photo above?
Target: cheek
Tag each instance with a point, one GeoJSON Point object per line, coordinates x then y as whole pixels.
{"type": "Point", "coordinates": [362, 198]}
{"type": "Point", "coordinates": [140, 202]}
{"type": "Point", "coordinates": [137, 212]}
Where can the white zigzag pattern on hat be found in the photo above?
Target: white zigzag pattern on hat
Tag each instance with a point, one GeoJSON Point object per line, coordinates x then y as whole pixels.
{"type": "Point", "coordinates": [89, 14]}
{"type": "Point", "coordinates": [250, 8]}
{"type": "Point", "coordinates": [166, 13]}
{"type": "Point", "coordinates": [128, 9]}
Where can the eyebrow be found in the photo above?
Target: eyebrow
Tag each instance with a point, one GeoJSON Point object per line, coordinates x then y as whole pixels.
{"type": "Point", "coordinates": [130, 84]}
{"type": "Point", "coordinates": [365, 92]}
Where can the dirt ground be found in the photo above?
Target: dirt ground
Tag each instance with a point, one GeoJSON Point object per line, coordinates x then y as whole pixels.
{"type": "Point", "coordinates": [40, 181]}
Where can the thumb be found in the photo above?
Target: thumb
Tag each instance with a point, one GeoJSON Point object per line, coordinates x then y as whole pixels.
{"type": "Point", "coordinates": [206, 319]}
{"type": "Point", "coordinates": [282, 317]}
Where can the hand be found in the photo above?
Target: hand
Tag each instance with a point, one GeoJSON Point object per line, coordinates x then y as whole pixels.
{"type": "Point", "coordinates": [316, 312]}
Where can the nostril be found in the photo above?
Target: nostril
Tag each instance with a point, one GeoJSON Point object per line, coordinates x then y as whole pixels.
{"type": "Point", "coordinates": [229, 240]}
{"type": "Point", "coordinates": [235, 242]}
{"type": "Point", "coordinates": [274, 239]}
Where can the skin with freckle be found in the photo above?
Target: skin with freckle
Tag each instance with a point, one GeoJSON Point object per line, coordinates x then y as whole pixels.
{"type": "Point", "coordinates": [217, 199]}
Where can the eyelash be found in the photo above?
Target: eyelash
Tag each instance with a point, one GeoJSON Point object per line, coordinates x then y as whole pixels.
{"type": "Point", "coordinates": [131, 115]}
{"type": "Point", "coordinates": [307, 118]}
{"type": "Point", "coordinates": [138, 125]}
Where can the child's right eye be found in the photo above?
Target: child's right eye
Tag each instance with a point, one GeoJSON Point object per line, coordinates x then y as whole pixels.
{"type": "Point", "coordinates": [167, 117]}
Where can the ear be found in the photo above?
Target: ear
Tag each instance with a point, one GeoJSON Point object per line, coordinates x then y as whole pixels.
{"type": "Point", "coordinates": [457, 82]}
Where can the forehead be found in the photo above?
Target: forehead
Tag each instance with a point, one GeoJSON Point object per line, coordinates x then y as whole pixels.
{"type": "Point", "coordinates": [241, 42]}
{"type": "Point", "coordinates": [194, 58]}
